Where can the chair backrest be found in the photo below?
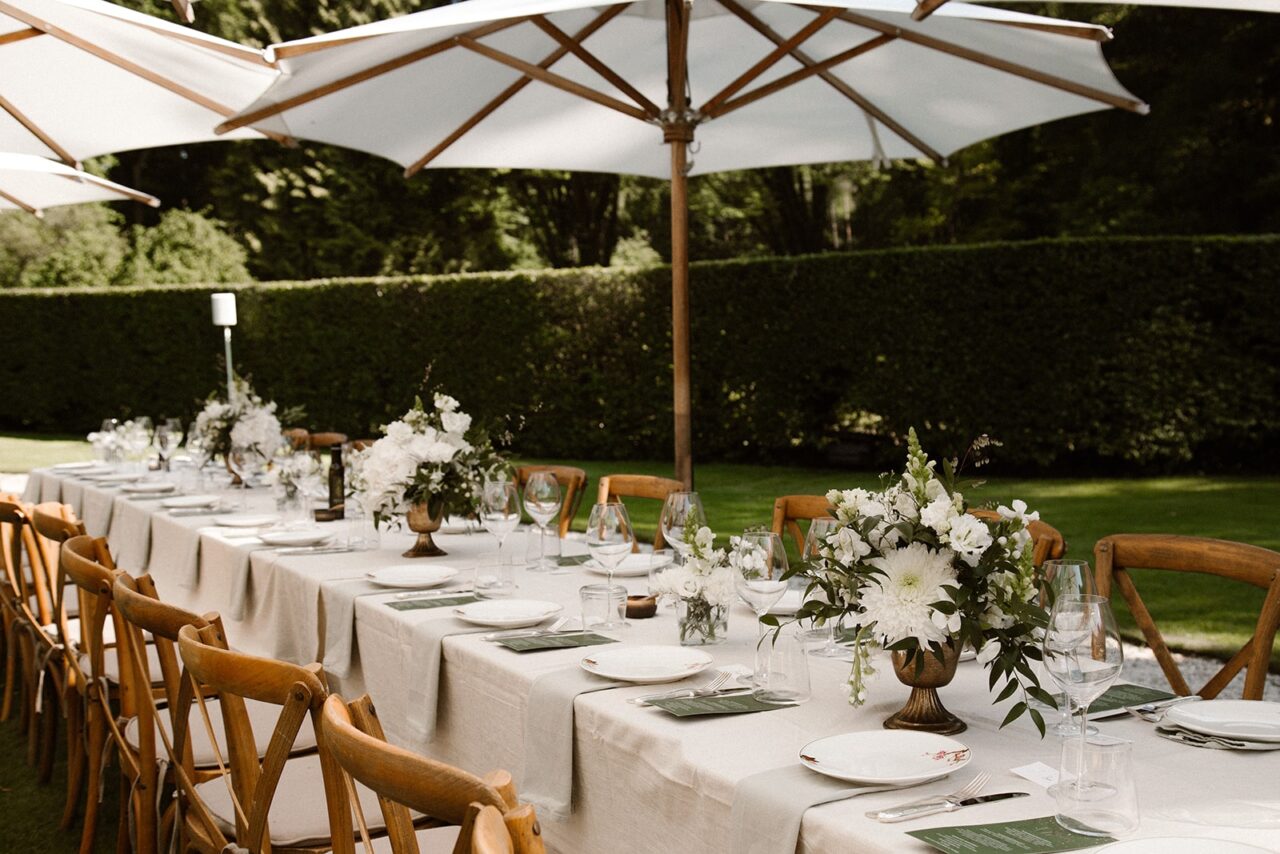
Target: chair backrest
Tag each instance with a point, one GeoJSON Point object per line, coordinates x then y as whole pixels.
{"type": "Point", "coordinates": [25, 593]}
{"type": "Point", "coordinates": [404, 780]}
{"type": "Point", "coordinates": [1047, 541]}
{"type": "Point", "coordinates": [362, 444]}
{"type": "Point", "coordinates": [573, 485]}
{"type": "Point", "coordinates": [615, 487]}
{"type": "Point", "coordinates": [789, 510]}
{"type": "Point", "coordinates": [298, 438]}
{"type": "Point", "coordinates": [55, 524]}
{"type": "Point", "coordinates": [235, 677]}
{"type": "Point", "coordinates": [1115, 555]}
{"type": "Point", "coordinates": [325, 441]}
{"type": "Point", "coordinates": [489, 832]}
{"type": "Point", "coordinates": [86, 561]}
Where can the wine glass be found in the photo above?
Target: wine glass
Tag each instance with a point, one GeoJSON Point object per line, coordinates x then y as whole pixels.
{"type": "Point", "coordinates": [542, 503]}
{"type": "Point", "coordinates": [609, 540]}
{"type": "Point", "coordinates": [1063, 578]}
{"type": "Point", "coordinates": [168, 437]}
{"type": "Point", "coordinates": [1082, 653]}
{"type": "Point", "coordinates": [760, 560]}
{"type": "Point", "coordinates": [500, 514]}
{"type": "Point", "coordinates": [200, 452]}
{"type": "Point", "coordinates": [815, 539]}
{"type": "Point", "coordinates": [243, 460]}
{"type": "Point", "coordinates": [682, 516]}
{"type": "Point", "coordinates": [106, 446]}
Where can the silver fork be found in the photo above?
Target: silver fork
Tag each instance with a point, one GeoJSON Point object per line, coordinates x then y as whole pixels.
{"type": "Point", "coordinates": [968, 790]}
{"type": "Point", "coordinates": [555, 628]}
{"type": "Point", "coordinates": [1155, 712]}
{"type": "Point", "coordinates": [709, 688]}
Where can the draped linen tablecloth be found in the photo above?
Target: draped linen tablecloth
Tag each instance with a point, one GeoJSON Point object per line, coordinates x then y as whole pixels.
{"type": "Point", "coordinates": [644, 781]}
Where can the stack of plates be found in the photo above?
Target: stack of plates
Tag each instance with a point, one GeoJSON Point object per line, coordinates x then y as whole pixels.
{"type": "Point", "coordinates": [885, 757]}
{"type": "Point", "coordinates": [646, 665]}
{"type": "Point", "coordinates": [507, 613]}
{"type": "Point", "coordinates": [414, 576]}
{"type": "Point", "coordinates": [1238, 724]}
{"type": "Point", "coordinates": [87, 464]}
{"type": "Point", "coordinates": [148, 487]}
{"type": "Point", "coordinates": [302, 537]}
{"type": "Point", "coordinates": [188, 502]}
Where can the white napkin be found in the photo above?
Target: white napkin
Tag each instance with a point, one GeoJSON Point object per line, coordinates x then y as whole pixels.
{"type": "Point", "coordinates": [131, 535]}
{"type": "Point", "coordinates": [31, 494]}
{"type": "Point", "coordinates": [50, 488]}
{"type": "Point", "coordinates": [175, 552]}
{"type": "Point", "coordinates": [338, 599]}
{"type": "Point", "coordinates": [96, 511]}
{"type": "Point", "coordinates": [423, 653]}
{"type": "Point", "coordinates": [768, 807]}
{"type": "Point", "coordinates": [548, 738]}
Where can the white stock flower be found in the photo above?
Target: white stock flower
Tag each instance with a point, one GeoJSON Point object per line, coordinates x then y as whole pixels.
{"type": "Point", "coordinates": [1019, 512]}
{"type": "Point", "coordinates": [445, 403]}
{"type": "Point", "coordinates": [899, 602]}
{"type": "Point", "coordinates": [938, 514]}
{"type": "Point", "coordinates": [848, 546]}
{"type": "Point", "coordinates": [969, 537]}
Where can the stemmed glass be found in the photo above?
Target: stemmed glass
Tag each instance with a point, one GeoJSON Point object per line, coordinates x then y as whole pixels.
{"type": "Point", "coordinates": [760, 560]}
{"type": "Point", "coordinates": [500, 514]}
{"type": "Point", "coordinates": [819, 530]}
{"type": "Point", "coordinates": [542, 503]}
{"type": "Point", "coordinates": [242, 460]}
{"type": "Point", "coordinates": [1064, 578]}
{"type": "Point", "coordinates": [199, 451]}
{"type": "Point", "coordinates": [609, 539]}
{"type": "Point", "coordinates": [168, 437]}
{"type": "Point", "coordinates": [682, 516]}
{"type": "Point", "coordinates": [137, 441]}
{"type": "Point", "coordinates": [106, 446]}
{"type": "Point", "coordinates": [1082, 653]}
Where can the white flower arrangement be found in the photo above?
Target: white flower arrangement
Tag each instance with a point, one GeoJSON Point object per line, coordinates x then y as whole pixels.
{"type": "Point", "coordinates": [245, 420]}
{"type": "Point", "coordinates": [705, 584]}
{"type": "Point", "coordinates": [429, 455]}
{"type": "Point", "coordinates": [126, 438]}
{"type": "Point", "coordinates": [913, 571]}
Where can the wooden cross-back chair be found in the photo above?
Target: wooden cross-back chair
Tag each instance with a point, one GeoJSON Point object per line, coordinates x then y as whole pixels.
{"type": "Point", "coordinates": [1047, 541]}
{"type": "Point", "coordinates": [790, 510]}
{"type": "Point", "coordinates": [615, 487]}
{"type": "Point", "coordinates": [1117, 554]}
{"type": "Point", "coordinates": [325, 441]}
{"type": "Point", "coordinates": [406, 780]}
{"type": "Point", "coordinates": [149, 735]}
{"type": "Point", "coordinates": [297, 437]}
{"type": "Point", "coordinates": [573, 485]}
{"type": "Point", "coordinates": [279, 802]}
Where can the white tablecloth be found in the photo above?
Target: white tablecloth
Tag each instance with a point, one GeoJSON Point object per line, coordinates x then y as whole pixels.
{"type": "Point", "coordinates": [645, 781]}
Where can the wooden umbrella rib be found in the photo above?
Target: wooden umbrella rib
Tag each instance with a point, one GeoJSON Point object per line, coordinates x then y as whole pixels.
{"type": "Point", "coordinates": [20, 35]}
{"type": "Point", "coordinates": [511, 91]}
{"type": "Point", "coordinates": [21, 118]}
{"type": "Point", "coordinates": [185, 10]}
{"type": "Point", "coordinates": [16, 202]}
{"type": "Point", "coordinates": [425, 52]}
{"type": "Point", "coordinates": [552, 79]}
{"type": "Point", "coordinates": [799, 75]}
{"type": "Point", "coordinates": [134, 195]}
{"type": "Point", "coordinates": [781, 49]}
{"type": "Point", "coordinates": [1093, 34]}
{"type": "Point", "coordinates": [246, 54]}
{"type": "Point", "coordinates": [995, 62]}
{"type": "Point", "coordinates": [836, 83]}
{"type": "Point", "coordinates": [924, 8]}
{"type": "Point", "coordinates": [595, 64]}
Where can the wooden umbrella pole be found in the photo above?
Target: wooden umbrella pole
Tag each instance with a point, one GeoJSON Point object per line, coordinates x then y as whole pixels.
{"type": "Point", "coordinates": [677, 131]}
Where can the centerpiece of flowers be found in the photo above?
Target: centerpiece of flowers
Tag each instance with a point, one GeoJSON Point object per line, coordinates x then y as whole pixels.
{"type": "Point", "coordinates": [703, 589]}
{"type": "Point", "coordinates": [430, 462]}
{"type": "Point", "coordinates": [243, 421]}
{"type": "Point", "coordinates": [126, 439]}
{"type": "Point", "coordinates": [918, 574]}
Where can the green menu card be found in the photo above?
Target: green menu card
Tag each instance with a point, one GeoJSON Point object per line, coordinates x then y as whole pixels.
{"type": "Point", "coordinates": [564, 641]}
{"type": "Point", "coordinates": [1030, 836]}
{"type": "Point", "coordinates": [736, 704]}
{"type": "Point", "coordinates": [574, 560]}
{"type": "Point", "coordinates": [1119, 696]}
{"type": "Point", "coordinates": [431, 602]}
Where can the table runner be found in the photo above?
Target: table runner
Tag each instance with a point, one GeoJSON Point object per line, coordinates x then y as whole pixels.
{"type": "Point", "coordinates": [548, 738]}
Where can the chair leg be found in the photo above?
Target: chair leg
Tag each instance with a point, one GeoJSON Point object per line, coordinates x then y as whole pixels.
{"type": "Point", "coordinates": [93, 765]}
{"type": "Point", "coordinates": [49, 730]}
{"type": "Point", "coordinates": [10, 667]}
{"type": "Point", "coordinates": [123, 845]}
{"type": "Point", "coordinates": [146, 823]}
{"type": "Point", "coordinates": [74, 704]}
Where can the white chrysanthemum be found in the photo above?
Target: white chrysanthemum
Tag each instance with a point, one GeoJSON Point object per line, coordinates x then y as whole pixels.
{"type": "Point", "coordinates": [900, 601]}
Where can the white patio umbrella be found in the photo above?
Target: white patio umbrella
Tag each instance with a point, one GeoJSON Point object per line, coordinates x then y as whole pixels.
{"type": "Point", "coordinates": [33, 183]}
{"type": "Point", "coordinates": [581, 85]}
{"type": "Point", "coordinates": [925, 8]}
{"type": "Point", "coordinates": [80, 78]}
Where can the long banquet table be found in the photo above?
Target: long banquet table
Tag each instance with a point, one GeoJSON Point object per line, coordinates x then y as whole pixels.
{"type": "Point", "coordinates": [643, 781]}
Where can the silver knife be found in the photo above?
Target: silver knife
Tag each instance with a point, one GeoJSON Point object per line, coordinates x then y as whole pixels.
{"type": "Point", "coordinates": [940, 805]}
{"type": "Point", "coordinates": [314, 550]}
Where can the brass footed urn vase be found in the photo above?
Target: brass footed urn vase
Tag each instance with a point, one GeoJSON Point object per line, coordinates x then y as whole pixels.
{"type": "Point", "coordinates": [424, 519]}
{"type": "Point", "coordinates": [925, 674]}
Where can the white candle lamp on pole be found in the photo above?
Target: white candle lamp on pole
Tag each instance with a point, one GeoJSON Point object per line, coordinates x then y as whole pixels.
{"type": "Point", "coordinates": [224, 315]}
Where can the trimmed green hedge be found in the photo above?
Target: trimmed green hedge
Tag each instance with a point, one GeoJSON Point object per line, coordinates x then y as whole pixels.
{"type": "Point", "coordinates": [1151, 352]}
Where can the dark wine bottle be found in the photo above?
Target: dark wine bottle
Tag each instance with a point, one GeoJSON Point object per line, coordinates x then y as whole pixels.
{"type": "Point", "coordinates": [337, 482]}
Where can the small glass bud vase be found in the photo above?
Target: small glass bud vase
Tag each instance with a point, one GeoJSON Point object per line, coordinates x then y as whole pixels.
{"type": "Point", "coordinates": [293, 506]}
{"type": "Point", "coordinates": [701, 623]}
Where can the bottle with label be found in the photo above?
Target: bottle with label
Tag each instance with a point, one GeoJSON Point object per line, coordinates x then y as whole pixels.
{"type": "Point", "coordinates": [337, 482]}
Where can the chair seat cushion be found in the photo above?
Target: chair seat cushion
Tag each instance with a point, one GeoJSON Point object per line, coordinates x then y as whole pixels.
{"type": "Point", "coordinates": [299, 815]}
{"type": "Point", "coordinates": [111, 664]}
{"type": "Point", "coordinates": [262, 717]}
{"type": "Point", "coordinates": [431, 840]}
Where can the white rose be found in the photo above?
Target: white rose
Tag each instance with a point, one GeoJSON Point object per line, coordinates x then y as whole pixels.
{"type": "Point", "coordinates": [939, 514]}
{"type": "Point", "coordinates": [455, 422]}
{"type": "Point", "coordinates": [399, 432]}
{"type": "Point", "coordinates": [969, 537]}
{"type": "Point", "coordinates": [444, 403]}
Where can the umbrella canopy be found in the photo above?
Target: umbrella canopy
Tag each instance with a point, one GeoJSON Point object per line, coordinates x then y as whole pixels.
{"type": "Point", "coordinates": [80, 78]}
{"type": "Point", "coordinates": [33, 183]}
{"type": "Point", "coordinates": [572, 84]}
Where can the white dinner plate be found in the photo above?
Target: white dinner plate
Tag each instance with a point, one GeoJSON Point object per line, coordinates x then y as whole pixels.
{"type": "Point", "coordinates": [632, 566]}
{"type": "Point", "coordinates": [411, 575]}
{"type": "Point", "coordinates": [507, 613]}
{"type": "Point", "coordinates": [1179, 845]}
{"type": "Point", "coordinates": [1256, 720]}
{"type": "Point", "coordinates": [83, 464]}
{"type": "Point", "coordinates": [246, 520]}
{"type": "Point", "coordinates": [304, 537]}
{"type": "Point", "coordinates": [151, 487]}
{"type": "Point", "coordinates": [116, 478]}
{"type": "Point", "coordinates": [646, 664]}
{"type": "Point", "coordinates": [886, 757]}
{"type": "Point", "coordinates": [179, 502]}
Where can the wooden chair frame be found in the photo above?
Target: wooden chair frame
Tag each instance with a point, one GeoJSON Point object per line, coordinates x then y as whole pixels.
{"type": "Point", "coordinates": [325, 441]}
{"type": "Point", "coordinates": [790, 510]}
{"type": "Point", "coordinates": [573, 483]}
{"type": "Point", "coordinates": [1047, 541]}
{"type": "Point", "coordinates": [406, 780]}
{"type": "Point", "coordinates": [615, 487]}
{"type": "Point", "coordinates": [1117, 554]}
